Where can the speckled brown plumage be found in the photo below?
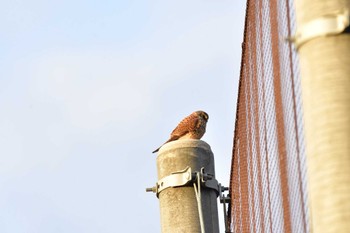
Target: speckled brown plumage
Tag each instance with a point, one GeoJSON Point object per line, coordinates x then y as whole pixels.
{"type": "Point", "coordinates": [192, 126]}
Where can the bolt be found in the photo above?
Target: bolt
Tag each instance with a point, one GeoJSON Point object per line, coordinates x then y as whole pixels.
{"type": "Point", "coordinates": [153, 189]}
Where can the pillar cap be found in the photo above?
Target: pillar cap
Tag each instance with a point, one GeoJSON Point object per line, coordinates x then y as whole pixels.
{"type": "Point", "coordinates": [184, 143]}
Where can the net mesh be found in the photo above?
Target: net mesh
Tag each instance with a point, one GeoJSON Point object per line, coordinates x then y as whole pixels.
{"type": "Point", "coordinates": [268, 176]}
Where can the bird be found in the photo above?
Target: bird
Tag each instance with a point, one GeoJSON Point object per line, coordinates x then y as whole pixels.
{"type": "Point", "coordinates": [191, 127]}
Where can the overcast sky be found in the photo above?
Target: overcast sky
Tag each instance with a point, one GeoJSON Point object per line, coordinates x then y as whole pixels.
{"type": "Point", "coordinates": [88, 89]}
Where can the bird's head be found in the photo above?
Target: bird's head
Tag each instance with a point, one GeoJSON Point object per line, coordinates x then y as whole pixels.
{"type": "Point", "coordinates": [203, 115]}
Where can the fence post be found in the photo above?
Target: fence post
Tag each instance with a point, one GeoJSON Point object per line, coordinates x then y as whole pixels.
{"type": "Point", "coordinates": [178, 205]}
{"type": "Point", "coordinates": [323, 44]}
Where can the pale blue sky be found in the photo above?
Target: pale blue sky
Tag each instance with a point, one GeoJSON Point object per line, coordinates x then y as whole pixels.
{"type": "Point", "coordinates": [89, 88]}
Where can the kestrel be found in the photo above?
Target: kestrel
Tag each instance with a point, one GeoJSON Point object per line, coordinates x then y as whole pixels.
{"type": "Point", "coordinates": [192, 126]}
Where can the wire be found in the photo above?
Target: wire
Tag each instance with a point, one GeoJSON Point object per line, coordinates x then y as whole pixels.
{"type": "Point", "coordinates": [199, 201]}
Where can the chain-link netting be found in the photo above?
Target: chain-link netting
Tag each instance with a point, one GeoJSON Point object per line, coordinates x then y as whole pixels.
{"type": "Point", "coordinates": [268, 177]}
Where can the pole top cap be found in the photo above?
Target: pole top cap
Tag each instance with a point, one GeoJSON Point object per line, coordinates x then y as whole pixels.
{"type": "Point", "coordinates": [184, 143]}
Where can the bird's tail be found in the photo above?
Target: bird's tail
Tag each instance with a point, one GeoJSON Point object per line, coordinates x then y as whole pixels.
{"type": "Point", "coordinates": [172, 138]}
{"type": "Point", "coordinates": [156, 150]}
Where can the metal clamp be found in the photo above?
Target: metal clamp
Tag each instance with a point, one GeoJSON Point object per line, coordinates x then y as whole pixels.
{"type": "Point", "coordinates": [331, 24]}
{"type": "Point", "coordinates": [176, 179]}
{"type": "Point", "coordinates": [184, 178]}
{"type": "Point", "coordinates": [208, 181]}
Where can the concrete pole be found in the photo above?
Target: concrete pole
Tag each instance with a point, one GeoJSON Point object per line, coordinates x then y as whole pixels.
{"type": "Point", "coordinates": [178, 206]}
{"type": "Point", "coordinates": [325, 73]}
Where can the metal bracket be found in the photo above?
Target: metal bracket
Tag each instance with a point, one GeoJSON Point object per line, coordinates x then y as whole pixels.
{"type": "Point", "coordinates": [225, 200]}
{"type": "Point", "coordinates": [208, 181]}
{"type": "Point", "coordinates": [183, 178]}
{"type": "Point", "coordinates": [176, 179]}
{"type": "Point", "coordinates": [327, 25]}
